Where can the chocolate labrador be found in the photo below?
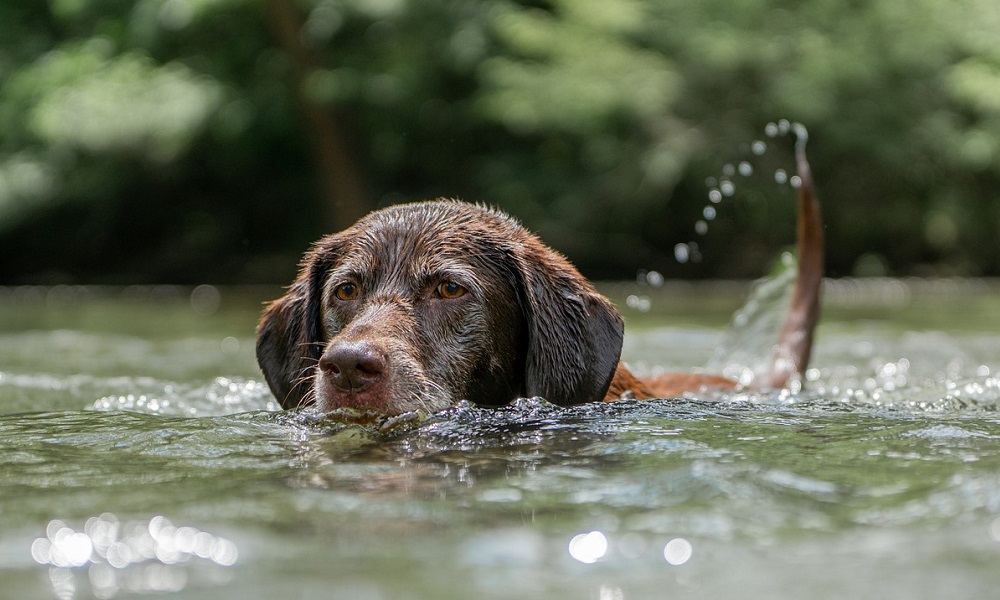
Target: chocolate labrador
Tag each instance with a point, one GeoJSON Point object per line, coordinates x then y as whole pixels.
{"type": "Point", "coordinates": [418, 306]}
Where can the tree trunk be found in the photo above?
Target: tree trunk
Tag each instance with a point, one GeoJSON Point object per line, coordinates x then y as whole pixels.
{"type": "Point", "coordinates": [345, 196]}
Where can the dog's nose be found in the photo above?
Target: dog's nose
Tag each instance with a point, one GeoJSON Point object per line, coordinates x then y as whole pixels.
{"type": "Point", "coordinates": [354, 366]}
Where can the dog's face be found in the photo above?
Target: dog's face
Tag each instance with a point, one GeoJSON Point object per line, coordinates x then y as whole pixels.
{"type": "Point", "coordinates": [420, 310]}
{"type": "Point", "coordinates": [419, 306]}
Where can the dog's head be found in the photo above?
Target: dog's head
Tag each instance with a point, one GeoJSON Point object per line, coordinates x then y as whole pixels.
{"type": "Point", "coordinates": [418, 306]}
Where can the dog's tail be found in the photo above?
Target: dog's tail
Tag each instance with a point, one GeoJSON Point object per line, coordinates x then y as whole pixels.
{"type": "Point", "coordinates": [791, 353]}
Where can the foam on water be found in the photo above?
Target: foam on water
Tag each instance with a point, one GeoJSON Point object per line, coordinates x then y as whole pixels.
{"type": "Point", "coordinates": [223, 396]}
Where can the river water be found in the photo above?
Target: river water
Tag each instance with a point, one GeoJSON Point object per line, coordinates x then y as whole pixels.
{"type": "Point", "coordinates": [141, 454]}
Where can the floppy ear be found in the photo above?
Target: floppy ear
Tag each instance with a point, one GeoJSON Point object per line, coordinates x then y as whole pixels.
{"type": "Point", "coordinates": [574, 333]}
{"type": "Point", "coordinates": [290, 335]}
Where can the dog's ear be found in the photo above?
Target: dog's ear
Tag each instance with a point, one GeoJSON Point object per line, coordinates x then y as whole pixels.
{"type": "Point", "coordinates": [574, 333]}
{"type": "Point", "coordinates": [290, 335]}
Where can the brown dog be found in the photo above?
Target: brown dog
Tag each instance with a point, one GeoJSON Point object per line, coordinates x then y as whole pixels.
{"type": "Point", "coordinates": [419, 306]}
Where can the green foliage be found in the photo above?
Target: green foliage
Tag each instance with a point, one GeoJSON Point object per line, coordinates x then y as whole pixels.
{"type": "Point", "coordinates": [193, 139]}
{"type": "Point", "coordinates": [568, 71]}
{"type": "Point", "coordinates": [84, 99]}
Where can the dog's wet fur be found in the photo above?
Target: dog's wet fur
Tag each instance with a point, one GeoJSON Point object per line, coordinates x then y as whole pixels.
{"type": "Point", "coordinates": [418, 306]}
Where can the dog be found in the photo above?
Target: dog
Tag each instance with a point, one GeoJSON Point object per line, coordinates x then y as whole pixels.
{"type": "Point", "coordinates": [419, 306]}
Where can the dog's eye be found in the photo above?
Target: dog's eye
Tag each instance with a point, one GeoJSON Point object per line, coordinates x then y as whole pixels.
{"type": "Point", "coordinates": [346, 292]}
{"type": "Point", "coordinates": [449, 290]}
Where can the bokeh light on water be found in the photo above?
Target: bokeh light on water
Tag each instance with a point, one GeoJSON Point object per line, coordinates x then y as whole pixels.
{"type": "Point", "coordinates": [127, 557]}
{"type": "Point", "coordinates": [678, 551]}
{"type": "Point", "coordinates": [588, 547]}
{"type": "Point", "coordinates": [596, 546]}
{"type": "Point", "coordinates": [995, 530]}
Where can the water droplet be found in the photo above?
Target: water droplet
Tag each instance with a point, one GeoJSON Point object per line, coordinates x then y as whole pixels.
{"type": "Point", "coordinates": [715, 196]}
{"type": "Point", "coordinates": [711, 182]}
{"type": "Point", "coordinates": [758, 147]}
{"type": "Point", "coordinates": [682, 253]}
{"type": "Point", "coordinates": [709, 213]}
{"type": "Point", "coordinates": [654, 278]}
{"type": "Point", "coordinates": [771, 130]}
{"type": "Point", "coordinates": [795, 181]}
{"type": "Point", "coordinates": [701, 228]}
{"type": "Point", "coordinates": [781, 176]}
{"type": "Point", "coordinates": [746, 169]}
{"type": "Point", "coordinates": [695, 254]}
{"type": "Point", "coordinates": [784, 126]}
{"type": "Point", "coordinates": [728, 170]}
{"type": "Point", "coordinates": [800, 132]}
{"type": "Point", "coordinates": [727, 188]}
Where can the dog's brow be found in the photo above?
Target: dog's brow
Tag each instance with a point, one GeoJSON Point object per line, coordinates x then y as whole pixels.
{"type": "Point", "coordinates": [459, 272]}
{"type": "Point", "coordinates": [350, 271]}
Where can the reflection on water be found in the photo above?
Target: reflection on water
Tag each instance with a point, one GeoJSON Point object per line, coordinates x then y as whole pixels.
{"type": "Point", "coordinates": [154, 462]}
{"type": "Point", "coordinates": [594, 546]}
{"type": "Point", "coordinates": [588, 547]}
{"type": "Point", "coordinates": [678, 551]}
{"type": "Point", "coordinates": [132, 557]}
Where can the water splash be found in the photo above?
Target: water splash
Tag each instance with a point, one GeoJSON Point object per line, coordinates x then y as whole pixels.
{"type": "Point", "coordinates": [745, 352]}
{"type": "Point", "coordinates": [224, 396]}
{"type": "Point", "coordinates": [724, 186]}
{"type": "Point", "coordinates": [900, 386]}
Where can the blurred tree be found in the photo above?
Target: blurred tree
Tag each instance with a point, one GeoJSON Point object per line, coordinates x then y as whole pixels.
{"type": "Point", "coordinates": [184, 140]}
{"type": "Point", "coordinates": [336, 166]}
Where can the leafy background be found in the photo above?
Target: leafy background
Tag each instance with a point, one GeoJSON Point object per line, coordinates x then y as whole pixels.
{"type": "Point", "coordinates": [213, 140]}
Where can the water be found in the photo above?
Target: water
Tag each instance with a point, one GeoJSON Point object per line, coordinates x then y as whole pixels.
{"type": "Point", "coordinates": [140, 454]}
{"type": "Point", "coordinates": [723, 186]}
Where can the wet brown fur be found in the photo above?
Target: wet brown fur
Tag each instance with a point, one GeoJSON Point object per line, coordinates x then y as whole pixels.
{"type": "Point", "coordinates": [527, 325]}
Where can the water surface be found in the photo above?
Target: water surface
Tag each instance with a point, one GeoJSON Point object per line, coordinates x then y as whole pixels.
{"type": "Point", "coordinates": [140, 453]}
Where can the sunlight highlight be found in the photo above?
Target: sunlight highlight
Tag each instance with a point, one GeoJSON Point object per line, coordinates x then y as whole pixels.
{"type": "Point", "coordinates": [678, 551]}
{"type": "Point", "coordinates": [588, 548]}
{"type": "Point", "coordinates": [130, 557]}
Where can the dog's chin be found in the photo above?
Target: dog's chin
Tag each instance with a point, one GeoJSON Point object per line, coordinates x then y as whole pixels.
{"type": "Point", "coordinates": [383, 399]}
